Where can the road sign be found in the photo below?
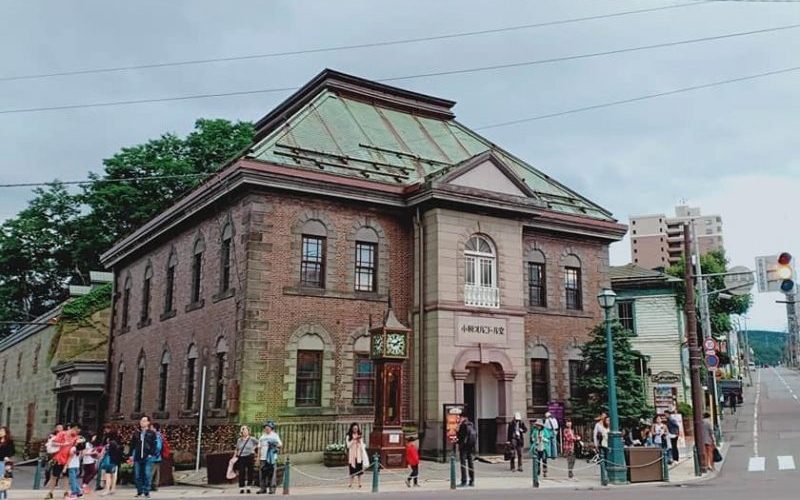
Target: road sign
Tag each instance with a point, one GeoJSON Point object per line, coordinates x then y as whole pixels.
{"type": "Point", "coordinates": [710, 344]}
{"type": "Point", "coordinates": [712, 361]}
{"type": "Point", "coordinates": [739, 280]}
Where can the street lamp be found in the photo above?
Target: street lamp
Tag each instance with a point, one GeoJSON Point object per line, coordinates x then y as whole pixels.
{"type": "Point", "coordinates": [617, 473]}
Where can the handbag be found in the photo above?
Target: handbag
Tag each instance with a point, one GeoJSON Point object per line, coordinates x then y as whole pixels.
{"type": "Point", "coordinates": [50, 447]}
{"type": "Point", "coordinates": [232, 473]}
{"type": "Point", "coordinates": [717, 455]}
{"type": "Point", "coordinates": [508, 454]}
{"type": "Point", "coordinates": [5, 484]}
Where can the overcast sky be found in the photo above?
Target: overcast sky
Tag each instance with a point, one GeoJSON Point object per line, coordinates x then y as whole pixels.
{"type": "Point", "coordinates": [732, 150]}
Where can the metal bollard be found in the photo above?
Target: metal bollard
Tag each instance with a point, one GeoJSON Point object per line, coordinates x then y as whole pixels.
{"type": "Point", "coordinates": [535, 471]}
{"type": "Point", "coordinates": [376, 468]}
{"type": "Point", "coordinates": [603, 472]}
{"type": "Point", "coordinates": [697, 470]}
{"type": "Point", "coordinates": [665, 464]}
{"type": "Point", "coordinates": [287, 469]}
{"type": "Point", "coordinates": [453, 470]}
{"type": "Point", "coordinates": [37, 475]}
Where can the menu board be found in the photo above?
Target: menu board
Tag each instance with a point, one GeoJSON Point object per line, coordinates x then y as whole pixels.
{"type": "Point", "coordinates": [665, 398]}
{"type": "Point", "coordinates": [452, 417]}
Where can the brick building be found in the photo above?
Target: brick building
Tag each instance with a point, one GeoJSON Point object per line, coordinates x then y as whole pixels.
{"type": "Point", "coordinates": [271, 272]}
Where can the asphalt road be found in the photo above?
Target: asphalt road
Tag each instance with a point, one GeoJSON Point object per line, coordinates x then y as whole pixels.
{"type": "Point", "coordinates": [761, 463]}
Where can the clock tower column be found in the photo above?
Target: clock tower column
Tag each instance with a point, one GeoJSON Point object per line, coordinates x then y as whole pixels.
{"type": "Point", "coordinates": [389, 348]}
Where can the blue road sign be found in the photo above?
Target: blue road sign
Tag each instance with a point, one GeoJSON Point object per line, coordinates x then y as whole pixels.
{"type": "Point", "coordinates": [712, 361]}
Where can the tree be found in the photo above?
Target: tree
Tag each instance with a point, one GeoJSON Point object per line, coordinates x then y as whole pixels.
{"type": "Point", "coordinates": [714, 262]}
{"type": "Point", "coordinates": [592, 385]}
{"type": "Point", "coordinates": [36, 261]}
{"type": "Point", "coordinates": [59, 238]}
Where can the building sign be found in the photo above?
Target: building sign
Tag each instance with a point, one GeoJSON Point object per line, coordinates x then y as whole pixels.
{"type": "Point", "coordinates": [665, 398]}
{"type": "Point", "coordinates": [556, 409]}
{"type": "Point", "coordinates": [472, 329]}
{"type": "Point", "coordinates": [666, 378]}
{"type": "Point", "coordinates": [452, 417]}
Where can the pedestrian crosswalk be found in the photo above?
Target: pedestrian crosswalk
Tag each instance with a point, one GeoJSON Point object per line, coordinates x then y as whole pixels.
{"type": "Point", "coordinates": [763, 464]}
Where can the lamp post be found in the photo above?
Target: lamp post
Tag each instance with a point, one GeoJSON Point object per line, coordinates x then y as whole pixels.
{"type": "Point", "coordinates": [617, 473]}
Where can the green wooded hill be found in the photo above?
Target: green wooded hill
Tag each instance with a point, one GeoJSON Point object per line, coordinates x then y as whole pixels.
{"type": "Point", "coordinates": [768, 346]}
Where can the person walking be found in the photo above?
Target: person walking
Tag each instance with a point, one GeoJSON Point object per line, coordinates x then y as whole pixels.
{"type": "Point", "coordinates": [732, 401]}
{"type": "Point", "coordinates": [412, 459]}
{"type": "Point", "coordinates": [570, 441]}
{"type": "Point", "coordinates": [539, 445]}
{"type": "Point", "coordinates": [155, 479]}
{"type": "Point", "coordinates": [111, 458]}
{"type": "Point", "coordinates": [6, 452]}
{"type": "Point", "coordinates": [674, 431]}
{"type": "Point", "coordinates": [62, 443]}
{"type": "Point", "coordinates": [601, 438]}
{"type": "Point", "coordinates": [73, 468]}
{"type": "Point", "coordinates": [515, 438]}
{"type": "Point", "coordinates": [245, 455]}
{"type": "Point", "coordinates": [356, 454]}
{"type": "Point", "coordinates": [467, 442]}
{"type": "Point", "coordinates": [89, 465]}
{"type": "Point", "coordinates": [552, 428]}
{"type": "Point", "coordinates": [269, 445]}
{"type": "Point", "coordinates": [709, 443]}
{"type": "Point", "coordinates": [143, 450]}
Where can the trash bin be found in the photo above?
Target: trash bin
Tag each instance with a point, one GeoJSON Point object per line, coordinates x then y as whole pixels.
{"type": "Point", "coordinates": [217, 467]}
{"type": "Point", "coordinates": [644, 464]}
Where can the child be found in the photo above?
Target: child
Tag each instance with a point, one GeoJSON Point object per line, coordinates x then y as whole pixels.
{"type": "Point", "coordinates": [412, 458]}
{"type": "Point", "coordinates": [73, 466]}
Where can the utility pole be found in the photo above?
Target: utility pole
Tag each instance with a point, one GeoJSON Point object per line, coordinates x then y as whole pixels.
{"type": "Point", "coordinates": [792, 327]}
{"type": "Point", "coordinates": [694, 350]}
{"type": "Point", "coordinates": [702, 290]}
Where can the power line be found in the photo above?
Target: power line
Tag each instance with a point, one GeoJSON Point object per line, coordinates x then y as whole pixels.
{"type": "Point", "coordinates": [500, 124]}
{"type": "Point", "coordinates": [407, 77]}
{"type": "Point", "coordinates": [318, 50]}
{"type": "Point", "coordinates": [100, 180]}
{"type": "Point", "coordinates": [640, 98]}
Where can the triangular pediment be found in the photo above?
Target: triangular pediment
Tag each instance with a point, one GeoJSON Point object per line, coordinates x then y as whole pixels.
{"type": "Point", "coordinates": [487, 172]}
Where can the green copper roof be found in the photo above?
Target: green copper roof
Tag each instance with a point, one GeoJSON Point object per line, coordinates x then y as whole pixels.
{"type": "Point", "coordinates": [342, 135]}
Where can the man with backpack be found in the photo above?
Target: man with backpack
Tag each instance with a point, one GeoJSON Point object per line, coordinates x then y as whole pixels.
{"type": "Point", "coordinates": [674, 431]}
{"type": "Point", "coordinates": [467, 443]}
{"type": "Point", "coordinates": [143, 450]}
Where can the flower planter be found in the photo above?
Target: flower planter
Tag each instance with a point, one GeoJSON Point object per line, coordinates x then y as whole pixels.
{"type": "Point", "coordinates": [334, 459]}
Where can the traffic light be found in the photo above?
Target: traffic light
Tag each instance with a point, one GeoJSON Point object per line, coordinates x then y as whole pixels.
{"type": "Point", "coordinates": [785, 272]}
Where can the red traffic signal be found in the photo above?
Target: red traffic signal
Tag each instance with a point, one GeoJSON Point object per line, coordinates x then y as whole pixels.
{"type": "Point", "coordinates": [785, 259]}
{"type": "Point", "coordinates": [786, 273]}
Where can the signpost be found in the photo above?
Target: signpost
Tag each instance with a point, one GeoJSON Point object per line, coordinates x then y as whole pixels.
{"type": "Point", "coordinates": [712, 361]}
{"type": "Point", "coordinates": [739, 280]}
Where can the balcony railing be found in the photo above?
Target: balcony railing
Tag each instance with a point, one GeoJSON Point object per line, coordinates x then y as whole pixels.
{"type": "Point", "coordinates": [481, 296]}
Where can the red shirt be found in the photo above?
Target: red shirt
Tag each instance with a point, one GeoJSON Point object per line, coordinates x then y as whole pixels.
{"type": "Point", "coordinates": [412, 454]}
{"type": "Point", "coordinates": [65, 441]}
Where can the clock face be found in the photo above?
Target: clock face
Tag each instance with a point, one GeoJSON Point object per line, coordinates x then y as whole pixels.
{"type": "Point", "coordinates": [377, 345]}
{"type": "Point", "coordinates": [396, 344]}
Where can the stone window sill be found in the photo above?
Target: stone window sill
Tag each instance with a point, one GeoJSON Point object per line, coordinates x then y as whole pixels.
{"type": "Point", "coordinates": [226, 294]}
{"type": "Point", "coordinates": [117, 416]}
{"type": "Point", "coordinates": [144, 323]}
{"type": "Point", "coordinates": [124, 329]}
{"type": "Point", "coordinates": [333, 294]}
{"type": "Point", "coordinates": [136, 415]}
{"type": "Point", "coordinates": [160, 415]}
{"type": "Point", "coordinates": [307, 411]}
{"type": "Point", "coordinates": [188, 414]}
{"type": "Point", "coordinates": [167, 315]}
{"type": "Point", "coordinates": [195, 305]}
{"type": "Point", "coordinates": [558, 312]}
{"type": "Point", "coordinates": [217, 413]}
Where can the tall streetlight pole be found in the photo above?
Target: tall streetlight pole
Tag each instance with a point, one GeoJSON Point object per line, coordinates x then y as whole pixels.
{"type": "Point", "coordinates": [617, 469]}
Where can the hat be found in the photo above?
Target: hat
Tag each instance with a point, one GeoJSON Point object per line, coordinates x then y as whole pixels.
{"type": "Point", "coordinates": [517, 416]}
{"type": "Point", "coordinates": [270, 424]}
{"type": "Point", "coordinates": [538, 423]}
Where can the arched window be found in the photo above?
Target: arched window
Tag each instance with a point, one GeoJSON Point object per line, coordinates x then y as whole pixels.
{"type": "Point", "coordinates": [221, 360]}
{"type": "Point", "coordinates": [309, 370]}
{"type": "Point", "coordinates": [137, 401]}
{"type": "Point", "coordinates": [126, 303]}
{"type": "Point", "coordinates": [363, 373]}
{"type": "Point", "coordinates": [572, 283]}
{"type": "Point", "coordinates": [36, 352]}
{"type": "Point", "coordinates": [148, 278]}
{"type": "Point", "coordinates": [480, 273]}
{"type": "Point", "coordinates": [225, 258]}
{"type": "Point", "coordinates": [366, 264]}
{"type": "Point", "coordinates": [19, 366]}
{"type": "Point", "coordinates": [120, 378]}
{"type": "Point", "coordinates": [191, 376]}
{"type": "Point", "coordinates": [163, 379]}
{"type": "Point", "coordinates": [537, 279]}
{"type": "Point", "coordinates": [169, 283]}
{"type": "Point", "coordinates": [540, 377]}
{"type": "Point", "coordinates": [197, 270]}
{"type": "Point", "coordinates": [314, 252]}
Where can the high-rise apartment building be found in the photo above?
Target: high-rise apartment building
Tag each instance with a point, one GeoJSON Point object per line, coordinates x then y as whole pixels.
{"type": "Point", "coordinates": [657, 240]}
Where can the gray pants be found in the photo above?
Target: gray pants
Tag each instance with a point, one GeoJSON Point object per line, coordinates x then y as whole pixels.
{"type": "Point", "coordinates": [467, 460]}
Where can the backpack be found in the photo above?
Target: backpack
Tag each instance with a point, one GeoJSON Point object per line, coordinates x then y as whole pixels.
{"type": "Point", "coordinates": [165, 451]}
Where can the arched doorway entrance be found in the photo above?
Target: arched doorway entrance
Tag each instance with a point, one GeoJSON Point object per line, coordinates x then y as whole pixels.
{"type": "Point", "coordinates": [483, 383]}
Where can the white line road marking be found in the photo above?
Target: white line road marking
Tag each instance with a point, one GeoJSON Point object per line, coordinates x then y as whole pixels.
{"type": "Point", "coordinates": [786, 462]}
{"type": "Point", "coordinates": [755, 421]}
{"type": "Point", "coordinates": [757, 464]}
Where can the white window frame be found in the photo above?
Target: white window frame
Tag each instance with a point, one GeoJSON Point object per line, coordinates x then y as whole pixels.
{"type": "Point", "coordinates": [480, 273]}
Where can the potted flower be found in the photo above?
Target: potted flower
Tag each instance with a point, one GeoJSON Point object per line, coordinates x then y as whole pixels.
{"type": "Point", "coordinates": [335, 455]}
